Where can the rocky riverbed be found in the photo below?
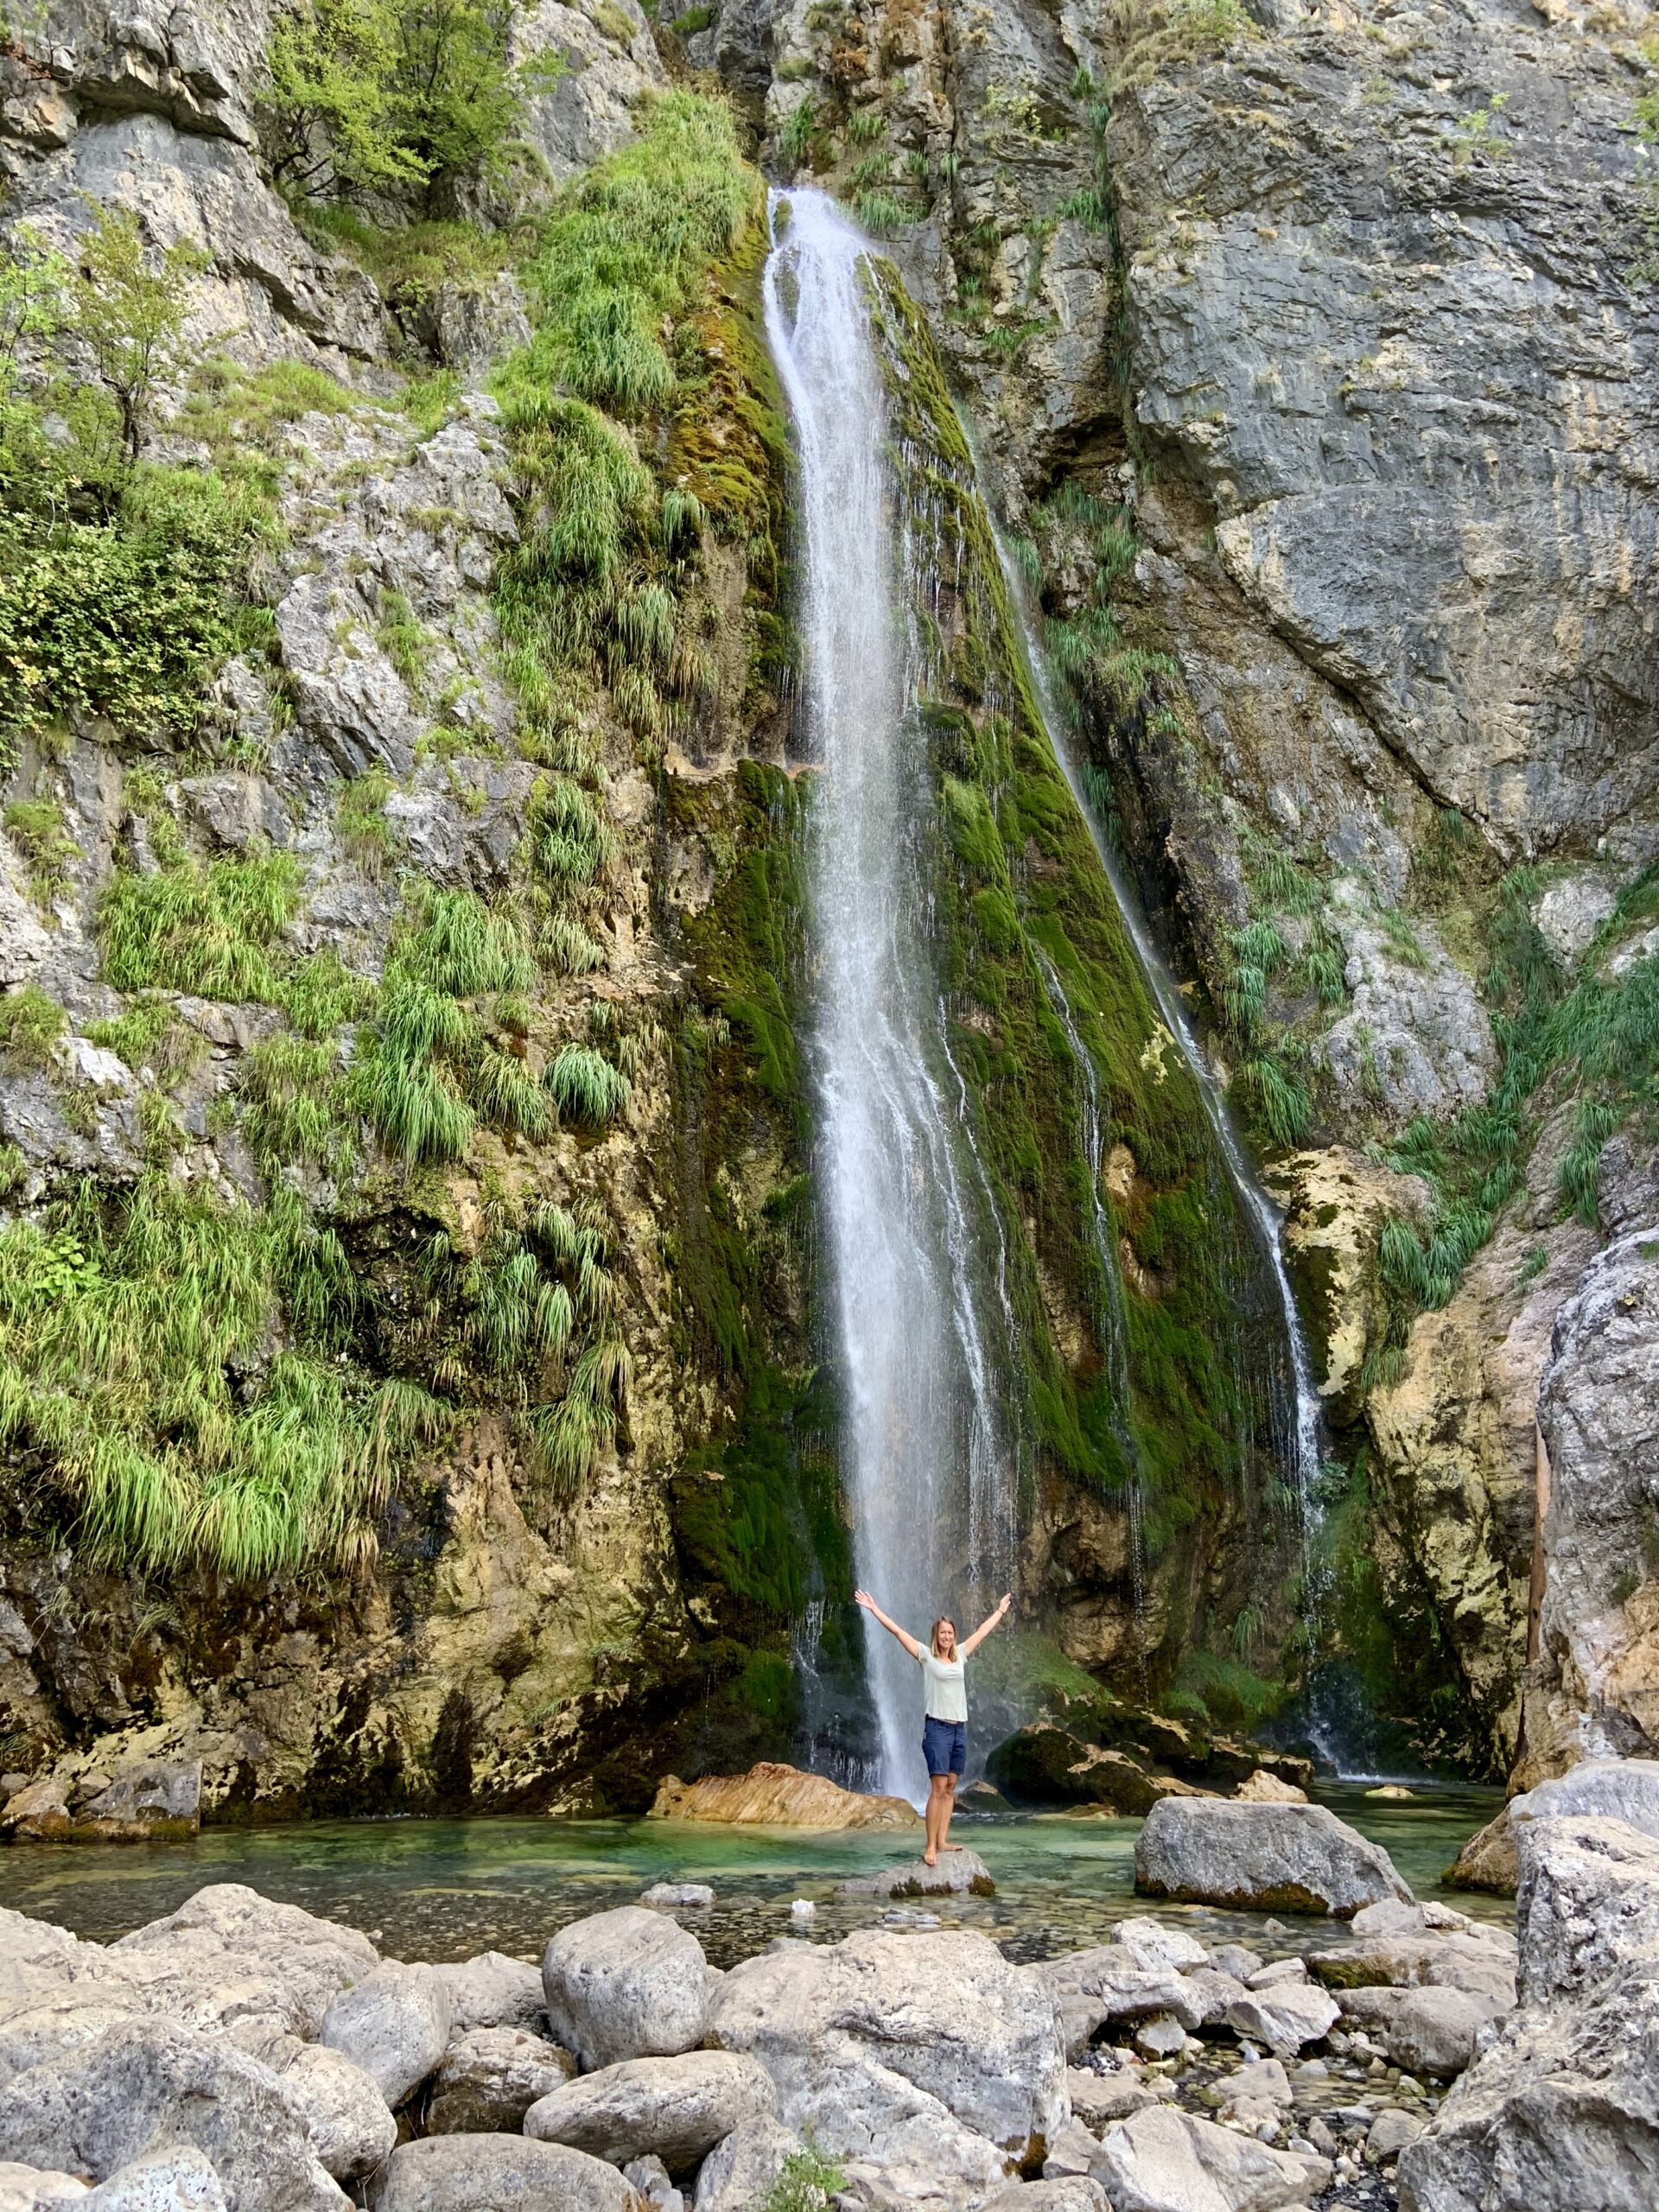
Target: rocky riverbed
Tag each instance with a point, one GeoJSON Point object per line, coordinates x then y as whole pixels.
{"type": "Point", "coordinates": [246, 2055]}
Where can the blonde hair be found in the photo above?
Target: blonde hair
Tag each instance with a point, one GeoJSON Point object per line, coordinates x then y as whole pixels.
{"type": "Point", "coordinates": [944, 1621]}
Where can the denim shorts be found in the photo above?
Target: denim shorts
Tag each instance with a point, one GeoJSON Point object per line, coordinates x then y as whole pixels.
{"type": "Point", "coordinates": [944, 1745]}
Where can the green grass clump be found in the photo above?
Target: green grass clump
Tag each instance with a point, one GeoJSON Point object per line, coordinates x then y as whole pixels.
{"type": "Point", "coordinates": [30, 1027]}
{"type": "Point", "coordinates": [206, 927]}
{"type": "Point", "coordinates": [294, 1106]}
{"type": "Point", "coordinates": [128, 1330]}
{"type": "Point", "coordinates": [808, 2182]}
{"type": "Point", "coordinates": [36, 827]}
{"type": "Point", "coordinates": [586, 1087]}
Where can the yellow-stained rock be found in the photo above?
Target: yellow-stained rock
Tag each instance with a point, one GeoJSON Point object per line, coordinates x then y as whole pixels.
{"type": "Point", "coordinates": [771, 1796]}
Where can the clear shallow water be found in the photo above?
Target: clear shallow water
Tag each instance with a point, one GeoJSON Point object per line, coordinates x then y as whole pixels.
{"type": "Point", "coordinates": [447, 1889]}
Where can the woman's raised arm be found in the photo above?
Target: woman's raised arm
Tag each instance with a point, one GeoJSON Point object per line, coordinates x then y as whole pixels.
{"type": "Point", "coordinates": [863, 1598]}
{"type": "Point", "coordinates": [993, 1620]}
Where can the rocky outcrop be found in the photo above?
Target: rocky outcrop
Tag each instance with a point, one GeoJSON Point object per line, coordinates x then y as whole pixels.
{"type": "Point", "coordinates": [1565, 2096]}
{"type": "Point", "coordinates": [1271, 1858]}
{"type": "Point", "coordinates": [773, 1795]}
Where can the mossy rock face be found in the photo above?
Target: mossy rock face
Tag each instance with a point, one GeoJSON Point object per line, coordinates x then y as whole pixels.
{"type": "Point", "coordinates": [1147, 1324]}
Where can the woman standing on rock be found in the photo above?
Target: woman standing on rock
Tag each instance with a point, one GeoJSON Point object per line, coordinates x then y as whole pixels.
{"type": "Point", "coordinates": [944, 1724]}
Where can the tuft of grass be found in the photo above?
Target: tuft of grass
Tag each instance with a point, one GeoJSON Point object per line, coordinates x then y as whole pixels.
{"type": "Point", "coordinates": [205, 928]}
{"type": "Point", "coordinates": [586, 1087]}
{"type": "Point", "coordinates": [36, 827]}
{"type": "Point", "coordinates": [31, 1025]}
{"type": "Point", "coordinates": [361, 819]}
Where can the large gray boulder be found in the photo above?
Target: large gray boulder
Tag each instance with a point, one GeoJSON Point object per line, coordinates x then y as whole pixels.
{"type": "Point", "coordinates": [675, 2109]}
{"type": "Point", "coordinates": [1560, 2113]}
{"type": "Point", "coordinates": [628, 1984]}
{"type": "Point", "coordinates": [740, 2171]}
{"type": "Point", "coordinates": [1611, 1789]}
{"type": "Point", "coordinates": [394, 2023]}
{"type": "Point", "coordinates": [926, 2059]}
{"type": "Point", "coordinates": [1261, 1857]}
{"type": "Point", "coordinates": [227, 1936]}
{"type": "Point", "coordinates": [145, 2083]}
{"type": "Point", "coordinates": [487, 2080]}
{"type": "Point", "coordinates": [497, 2173]}
{"type": "Point", "coordinates": [492, 1991]}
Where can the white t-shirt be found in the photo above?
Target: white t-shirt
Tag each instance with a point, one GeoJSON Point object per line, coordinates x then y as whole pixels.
{"type": "Point", "coordinates": [946, 1688]}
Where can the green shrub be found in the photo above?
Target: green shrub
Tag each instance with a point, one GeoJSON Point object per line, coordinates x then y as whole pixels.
{"type": "Point", "coordinates": [808, 2182]}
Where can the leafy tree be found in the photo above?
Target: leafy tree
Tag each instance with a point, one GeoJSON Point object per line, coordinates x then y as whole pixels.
{"type": "Point", "coordinates": [383, 96]}
{"type": "Point", "coordinates": [126, 315]}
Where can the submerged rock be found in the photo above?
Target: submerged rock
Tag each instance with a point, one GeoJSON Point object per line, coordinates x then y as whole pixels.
{"type": "Point", "coordinates": [772, 1795]}
{"type": "Point", "coordinates": [627, 1984]}
{"type": "Point", "coordinates": [665, 1896]}
{"type": "Point", "coordinates": [1264, 1858]}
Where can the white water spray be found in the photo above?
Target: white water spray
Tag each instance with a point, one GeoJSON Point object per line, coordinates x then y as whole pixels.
{"type": "Point", "coordinates": [924, 1335]}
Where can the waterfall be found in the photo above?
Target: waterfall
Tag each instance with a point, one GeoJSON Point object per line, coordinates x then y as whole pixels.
{"type": "Point", "coordinates": [925, 1337]}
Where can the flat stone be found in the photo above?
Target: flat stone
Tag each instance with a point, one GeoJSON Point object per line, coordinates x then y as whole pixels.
{"type": "Point", "coordinates": [665, 1896]}
{"type": "Point", "coordinates": [774, 1796]}
{"type": "Point", "coordinates": [958, 1873]}
{"type": "Point", "coordinates": [1285, 2017]}
{"type": "Point", "coordinates": [497, 2173]}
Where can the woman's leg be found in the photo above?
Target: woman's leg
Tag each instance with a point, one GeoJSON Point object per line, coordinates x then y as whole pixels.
{"type": "Point", "coordinates": [947, 1806]}
{"type": "Point", "coordinates": [938, 1788]}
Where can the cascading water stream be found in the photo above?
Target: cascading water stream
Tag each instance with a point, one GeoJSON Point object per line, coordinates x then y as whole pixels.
{"type": "Point", "coordinates": [913, 1236]}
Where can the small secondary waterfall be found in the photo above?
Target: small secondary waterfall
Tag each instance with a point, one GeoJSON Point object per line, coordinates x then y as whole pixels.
{"type": "Point", "coordinates": [913, 1231]}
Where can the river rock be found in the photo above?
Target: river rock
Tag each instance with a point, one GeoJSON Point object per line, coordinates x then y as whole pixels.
{"type": "Point", "coordinates": [1424, 2031]}
{"type": "Point", "coordinates": [1265, 1858]}
{"type": "Point", "coordinates": [488, 2079]}
{"type": "Point", "coordinates": [174, 2178]}
{"type": "Point", "coordinates": [667, 1896]}
{"type": "Point", "coordinates": [1284, 2016]}
{"type": "Point", "coordinates": [346, 2116]}
{"type": "Point", "coordinates": [738, 2174]}
{"type": "Point", "coordinates": [145, 2082]}
{"type": "Point", "coordinates": [1390, 2131]}
{"type": "Point", "coordinates": [1109, 1983]}
{"type": "Point", "coordinates": [1060, 2193]}
{"type": "Point", "coordinates": [627, 1984]}
{"type": "Point", "coordinates": [226, 1936]}
{"type": "Point", "coordinates": [912, 2054]}
{"type": "Point", "coordinates": [492, 1991]}
{"type": "Point", "coordinates": [1263, 2080]}
{"type": "Point", "coordinates": [1561, 2112]}
{"type": "Point", "coordinates": [1213, 1992]}
{"type": "Point", "coordinates": [1264, 1789]}
{"type": "Point", "coordinates": [394, 2023]}
{"type": "Point", "coordinates": [1164, 2160]}
{"type": "Point", "coordinates": [28, 2189]}
{"type": "Point", "coordinates": [497, 2173]}
{"type": "Point", "coordinates": [675, 2109]}
{"type": "Point", "coordinates": [1097, 2099]}
{"type": "Point", "coordinates": [1488, 1860]}
{"type": "Point", "coordinates": [772, 1796]}
{"type": "Point", "coordinates": [959, 1873]}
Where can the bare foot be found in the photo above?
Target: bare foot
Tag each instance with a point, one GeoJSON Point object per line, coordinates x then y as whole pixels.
{"type": "Point", "coordinates": [949, 1847]}
{"type": "Point", "coordinates": [932, 1858]}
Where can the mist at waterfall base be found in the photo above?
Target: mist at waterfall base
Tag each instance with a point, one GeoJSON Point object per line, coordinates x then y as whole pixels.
{"type": "Point", "coordinates": [924, 1328]}
{"type": "Point", "coordinates": [926, 1340]}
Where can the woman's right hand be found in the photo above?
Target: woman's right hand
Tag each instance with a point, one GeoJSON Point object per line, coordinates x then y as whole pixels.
{"type": "Point", "coordinates": [863, 1598]}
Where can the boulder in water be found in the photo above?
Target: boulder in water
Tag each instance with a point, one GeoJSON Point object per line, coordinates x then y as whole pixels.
{"type": "Point", "coordinates": [675, 2109]}
{"type": "Point", "coordinates": [671, 1897]}
{"type": "Point", "coordinates": [627, 1984]}
{"type": "Point", "coordinates": [1488, 1860]}
{"type": "Point", "coordinates": [1262, 1858]}
{"type": "Point", "coordinates": [959, 1873]}
{"type": "Point", "coordinates": [772, 1796]}
{"type": "Point", "coordinates": [1260, 1787]}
